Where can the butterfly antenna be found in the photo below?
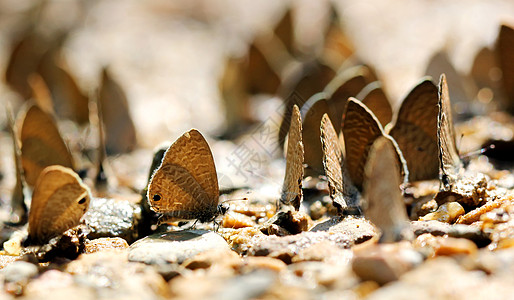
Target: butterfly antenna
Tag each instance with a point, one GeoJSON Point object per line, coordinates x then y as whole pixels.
{"type": "Point", "coordinates": [475, 153]}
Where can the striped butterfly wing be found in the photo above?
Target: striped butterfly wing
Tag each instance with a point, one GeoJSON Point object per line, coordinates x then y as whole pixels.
{"type": "Point", "coordinates": [185, 186]}
{"type": "Point", "coordinates": [415, 131]}
{"type": "Point", "coordinates": [292, 187]}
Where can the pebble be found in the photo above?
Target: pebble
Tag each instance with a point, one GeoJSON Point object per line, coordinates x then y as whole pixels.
{"type": "Point", "coordinates": [19, 272]}
{"type": "Point", "coordinates": [174, 247]}
{"type": "Point", "coordinates": [286, 247]}
{"type": "Point", "coordinates": [103, 244]}
{"type": "Point", "coordinates": [439, 278]}
{"type": "Point", "coordinates": [384, 263]}
{"type": "Point", "coordinates": [109, 275]}
{"type": "Point", "coordinates": [113, 218]}
{"type": "Point", "coordinates": [209, 258]}
{"type": "Point", "coordinates": [447, 212]}
{"type": "Point", "coordinates": [262, 262]}
{"type": "Point", "coordinates": [357, 229]}
{"type": "Point", "coordinates": [470, 232]}
{"type": "Point", "coordinates": [237, 220]}
{"type": "Point", "coordinates": [444, 245]}
{"type": "Point", "coordinates": [6, 260]}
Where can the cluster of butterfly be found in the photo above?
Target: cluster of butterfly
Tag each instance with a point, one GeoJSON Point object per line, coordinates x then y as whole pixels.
{"type": "Point", "coordinates": [368, 160]}
{"type": "Point", "coordinates": [418, 145]}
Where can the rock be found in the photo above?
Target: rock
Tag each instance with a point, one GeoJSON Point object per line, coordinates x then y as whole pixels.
{"type": "Point", "coordinates": [6, 260]}
{"type": "Point", "coordinates": [113, 218]}
{"type": "Point", "coordinates": [384, 263]}
{"type": "Point", "coordinates": [447, 212]}
{"type": "Point", "coordinates": [174, 247]}
{"type": "Point", "coordinates": [55, 284]}
{"type": "Point", "coordinates": [357, 229]}
{"type": "Point", "coordinates": [17, 276]}
{"type": "Point", "coordinates": [286, 247]}
{"type": "Point", "coordinates": [102, 244]}
{"type": "Point", "coordinates": [470, 232]}
{"type": "Point", "coordinates": [247, 286]}
{"type": "Point", "coordinates": [439, 278]}
{"type": "Point", "coordinates": [436, 245]}
{"type": "Point", "coordinates": [209, 258]}
{"type": "Point", "coordinates": [241, 240]}
{"type": "Point", "coordinates": [237, 220]}
{"type": "Point", "coordinates": [109, 274]}
{"type": "Point", "coordinates": [251, 263]}
{"type": "Point", "coordinates": [313, 274]}
{"type": "Point", "coordinates": [323, 251]}
{"type": "Point", "coordinates": [19, 271]}
{"type": "Point", "coordinates": [292, 221]}
{"type": "Point", "coordinates": [201, 285]}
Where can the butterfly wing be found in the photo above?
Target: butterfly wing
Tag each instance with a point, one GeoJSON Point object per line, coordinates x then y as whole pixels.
{"type": "Point", "coordinates": [310, 79]}
{"type": "Point", "coordinates": [41, 144]}
{"type": "Point", "coordinates": [120, 132]}
{"type": "Point", "coordinates": [342, 191]}
{"type": "Point", "coordinates": [312, 112]}
{"type": "Point", "coordinates": [375, 99]}
{"type": "Point", "coordinates": [415, 131]}
{"type": "Point", "coordinates": [504, 50]}
{"type": "Point", "coordinates": [383, 202]}
{"type": "Point", "coordinates": [292, 187]}
{"type": "Point", "coordinates": [346, 84]}
{"type": "Point", "coordinates": [59, 200]}
{"type": "Point", "coordinates": [449, 160]}
{"type": "Point", "coordinates": [186, 182]}
{"type": "Point", "coordinates": [360, 129]}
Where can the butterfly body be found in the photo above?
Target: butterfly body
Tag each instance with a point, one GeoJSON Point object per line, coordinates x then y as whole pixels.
{"type": "Point", "coordinates": [185, 186]}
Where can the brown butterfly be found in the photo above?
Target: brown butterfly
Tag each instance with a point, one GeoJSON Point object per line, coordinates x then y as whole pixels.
{"type": "Point", "coordinates": [311, 78]}
{"type": "Point", "coordinates": [312, 112]}
{"type": "Point", "coordinates": [341, 189]}
{"type": "Point", "coordinates": [504, 51]}
{"type": "Point", "coordinates": [375, 99]}
{"type": "Point", "coordinates": [415, 131]}
{"type": "Point", "coordinates": [382, 198]}
{"type": "Point", "coordinates": [450, 165]}
{"type": "Point", "coordinates": [185, 186]}
{"type": "Point", "coordinates": [120, 132]}
{"type": "Point", "coordinates": [59, 201]}
{"type": "Point", "coordinates": [462, 89]}
{"type": "Point", "coordinates": [292, 188]}
{"type": "Point", "coordinates": [41, 144]}
{"type": "Point", "coordinates": [69, 101]}
{"type": "Point", "coordinates": [346, 84]}
{"type": "Point", "coordinates": [360, 129]}
{"type": "Point", "coordinates": [337, 48]}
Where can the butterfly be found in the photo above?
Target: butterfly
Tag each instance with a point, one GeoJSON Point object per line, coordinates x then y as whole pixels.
{"type": "Point", "coordinates": [41, 144]}
{"type": "Point", "coordinates": [185, 186]}
{"type": "Point", "coordinates": [376, 100]}
{"type": "Point", "coordinates": [120, 132]}
{"type": "Point", "coordinates": [311, 114]}
{"type": "Point", "coordinates": [347, 84]}
{"type": "Point", "coordinates": [450, 165]}
{"type": "Point", "coordinates": [292, 187]}
{"type": "Point", "coordinates": [341, 189]}
{"type": "Point", "coordinates": [462, 89]}
{"type": "Point", "coordinates": [360, 129]}
{"type": "Point", "coordinates": [59, 201]}
{"type": "Point", "coordinates": [382, 198]}
{"type": "Point", "coordinates": [415, 131]}
{"type": "Point", "coordinates": [504, 48]}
